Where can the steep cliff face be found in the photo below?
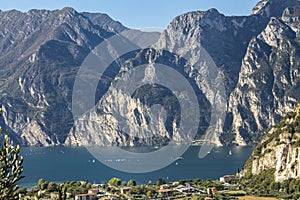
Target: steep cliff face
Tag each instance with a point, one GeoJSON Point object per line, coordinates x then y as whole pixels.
{"type": "Point", "coordinates": [40, 52]}
{"type": "Point", "coordinates": [224, 38]}
{"type": "Point", "coordinates": [256, 58]}
{"type": "Point", "coordinates": [150, 115]}
{"type": "Point", "coordinates": [279, 149]}
{"type": "Point", "coordinates": [101, 127]}
{"type": "Point", "coordinates": [269, 78]}
{"type": "Point", "coordinates": [272, 8]}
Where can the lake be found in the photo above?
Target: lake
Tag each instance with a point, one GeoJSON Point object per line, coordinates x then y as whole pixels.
{"type": "Point", "coordinates": [67, 163]}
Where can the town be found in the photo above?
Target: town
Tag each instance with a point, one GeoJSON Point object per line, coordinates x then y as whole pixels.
{"type": "Point", "coordinates": [226, 187]}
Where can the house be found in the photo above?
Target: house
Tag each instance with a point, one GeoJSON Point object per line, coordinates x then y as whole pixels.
{"type": "Point", "coordinates": [93, 191]}
{"type": "Point", "coordinates": [91, 195]}
{"type": "Point", "coordinates": [125, 190]}
{"type": "Point", "coordinates": [212, 190]}
{"type": "Point", "coordinates": [187, 190]}
{"type": "Point", "coordinates": [85, 197]}
{"type": "Point", "coordinates": [187, 185]}
{"type": "Point", "coordinates": [179, 187]}
{"type": "Point", "coordinates": [54, 196]}
{"type": "Point", "coordinates": [165, 192]}
{"type": "Point", "coordinates": [113, 196]}
{"type": "Point", "coordinates": [176, 183]}
{"type": "Point", "coordinates": [68, 195]}
{"type": "Point", "coordinates": [228, 178]}
{"type": "Point", "coordinates": [165, 186]}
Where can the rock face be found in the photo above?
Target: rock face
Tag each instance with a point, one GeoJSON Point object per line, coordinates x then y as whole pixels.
{"type": "Point", "coordinates": [148, 116]}
{"type": "Point", "coordinates": [272, 8]}
{"type": "Point", "coordinates": [256, 57]}
{"type": "Point", "coordinates": [279, 149]}
{"type": "Point", "coordinates": [40, 54]}
{"type": "Point", "coordinates": [268, 78]}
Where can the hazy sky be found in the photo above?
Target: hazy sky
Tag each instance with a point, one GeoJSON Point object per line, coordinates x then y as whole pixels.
{"type": "Point", "coordinates": [137, 13]}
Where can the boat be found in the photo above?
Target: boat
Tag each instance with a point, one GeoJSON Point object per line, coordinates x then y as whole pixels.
{"type": "Point", "coordinates": [230, 153]}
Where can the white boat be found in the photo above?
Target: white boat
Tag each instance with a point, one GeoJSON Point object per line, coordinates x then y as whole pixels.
{"type": "Point", "coordinates": [230, 153]}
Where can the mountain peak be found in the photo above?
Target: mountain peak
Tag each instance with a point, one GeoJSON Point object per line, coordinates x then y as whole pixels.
{"type": "Point", "coordinates": [273, 8]}
{"type": "Point", "coordinates": [195, 18]}
{"type": "Point", "coordinates": [104, 21]}
{"type": "Point", "coordinates": [68, 10]}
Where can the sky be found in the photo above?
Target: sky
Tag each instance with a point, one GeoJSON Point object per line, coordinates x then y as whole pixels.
{"type": "Point", "coordinates": [140, 14]}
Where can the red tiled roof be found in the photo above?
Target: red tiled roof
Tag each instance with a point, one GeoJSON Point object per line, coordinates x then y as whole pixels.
{"type": "Point", "coordinates": [164, 190]}
{"type": "Point", "coordinates": [83, 195]}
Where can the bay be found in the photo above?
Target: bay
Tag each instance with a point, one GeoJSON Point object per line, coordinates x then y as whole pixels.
{"type": "Point", "coordinates": [60, 164]}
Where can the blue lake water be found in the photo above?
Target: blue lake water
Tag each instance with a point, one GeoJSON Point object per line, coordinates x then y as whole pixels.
{"type": "Point", "coordinates": [65, 163]}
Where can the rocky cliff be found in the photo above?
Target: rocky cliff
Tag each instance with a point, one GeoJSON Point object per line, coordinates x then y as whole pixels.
{"type": "Point", "coordinates": [256, 58]}
{"type": "Point", "coordinates": [40, 54]}
{"type": "Point", "coordinates": [249, 53]}
{"type": "Point", "coordinates": [268, 79]}
{"type": "Point", "coordinates": [279, 150]}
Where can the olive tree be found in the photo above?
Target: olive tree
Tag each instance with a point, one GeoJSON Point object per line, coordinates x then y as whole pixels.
{"type": "Point", "coordinates": [10, 169]}
{"type": "Point", "coordinates": [114, 182]}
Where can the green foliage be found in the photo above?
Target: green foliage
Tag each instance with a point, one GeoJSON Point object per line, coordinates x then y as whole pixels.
{"type": "Point", "coordinates": [73, 187]}
{"type": "Point", "coordinates": [124, 183]}
{"type": "Point", "coordinates": [264, 184]}
{"type": "Point", "coordinates": [62, 190]}
{"type": "Point", "coordinates": [261, 181]}
{"type": "Point", "coordinates": [114, 182]}
{"type": "Point", "coordinates": [76, 187]}
{"type": "Point", "coordinates": [10, 170]}
{"type": "Point", "coordinates": [196, 181]}
{"type": "Point", "coordinates": [42, 184]}
{"type": "Point", "coordinates": [52, 187]}
{"type": "Point", "coordinates": [149, 193]}
{"type": "Point", "coordinates": [138, 190]}
{"type": "Point", "coordinates": [88, 185]}
{"type": "Point", "coordinates": [131, 183]}
{"type": "Point", "coordinates": [160, 181]}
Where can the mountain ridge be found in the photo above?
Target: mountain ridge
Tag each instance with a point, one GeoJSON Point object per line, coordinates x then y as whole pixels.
{"type": "Point", "coordinates": [41, 52]}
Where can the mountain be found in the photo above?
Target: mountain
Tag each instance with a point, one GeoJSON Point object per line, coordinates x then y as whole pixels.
{"type": "Point", "coordinates": [278, 150]}
{"type": "Point", "coordinates": [253, 59]}
{"type": "Point", "coordinates": [268, 85]}
{"type": "Point", "coordinates": [235, 44]}
{"type": "Point", "coordinates": [273, 8]}
{"type": "Point", "coordinates": [40, 53]}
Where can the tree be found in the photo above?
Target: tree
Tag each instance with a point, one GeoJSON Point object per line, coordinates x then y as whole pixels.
{"type": "Point", "coordinates": [62, 190]}
{"type": "Point", "coordinates": [114, 182]}
{"type": "Point", "coordinates": [88, 186]}
{"type": "Point", "coordinates": [40, 183]}
{"type": "Point", "coordinates": [131, 183]}
{"type": "Point", "coordinates": [10, 170]}
{"type": "Point", "coordinates": [52, 187]}
{"type": "Point", "coordinates": [275, 186]}
{"type": "Point", "coordinates": [124, 183]}
{"type": "Point", "coordinates": [196, 181]}
{"type": "Point", "coordinates": [149, 193]}
{"type": "Point", "coordinates": [160, 181]}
